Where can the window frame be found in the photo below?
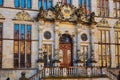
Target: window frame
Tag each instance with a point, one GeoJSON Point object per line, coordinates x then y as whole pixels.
{"type": "Point", "coordinates": [26, 63]}
{"type": "Point", "coordinates": [85, 5]}
{"type": "Point", "coordinates": [104, 57]}
{"type": "Point", "coordinates": [1, 39]}
{"type": "Point", "coordinates": [103, 10]}
{"type": "Point", "coordinates": [43, 4]}
{"type": "Point", "coordinates": [23, 6]}
{"type": "Point", "coordinates": [2, 2]}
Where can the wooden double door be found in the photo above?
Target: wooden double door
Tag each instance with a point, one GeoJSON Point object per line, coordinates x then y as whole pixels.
{"type": "Point", "coordinates": [66, 54]}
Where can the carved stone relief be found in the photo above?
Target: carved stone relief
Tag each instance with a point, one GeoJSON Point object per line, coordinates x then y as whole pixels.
{"type": "Point", "coordinates": [103, 22]}
{"type": "Point", "coordinates": [23, 16]}
{"type": "Point", "coordinates": [65, 13]}
{"type": "Point", "coordinates": [1, 16]}
{"type": "Point", "coordinates": [117, 23]}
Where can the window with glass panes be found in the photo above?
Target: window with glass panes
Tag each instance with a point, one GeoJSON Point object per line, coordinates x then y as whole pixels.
{"type": "Point", "coordinates": [103, 8]}
{"type": "Point", "coordinates": [23, 4]}
{"type": "Point", "coordinates": [1, 2]}
{"type": "Point", "coordinates": [45, 3]}
{"type": "Point", "coordinates": [86, 4]}
{"type": "Point", "coordinates": [1, 38]}
{"type": "Point", "coordinates": [104, 48]}
{"type": "Point", "coordinates": [22, 46]}
{"type": "Point", "coordinates": [116, 8]}
{"type": "Point", "coordinates": [117, 48]}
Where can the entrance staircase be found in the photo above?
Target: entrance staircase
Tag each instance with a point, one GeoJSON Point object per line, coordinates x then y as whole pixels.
{"type": "Point", "coordinates": [53, 73]}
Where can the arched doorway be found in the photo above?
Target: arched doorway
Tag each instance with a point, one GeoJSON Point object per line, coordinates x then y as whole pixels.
{"type": "Point", "coordinates": [66, 50]}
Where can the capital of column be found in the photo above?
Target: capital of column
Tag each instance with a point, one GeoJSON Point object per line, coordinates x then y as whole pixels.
{"type": "Point", "coordinates": [79, 25]}
{"type": "Point", "coordinates": [57, 31]}
{"type": "Point", "coordinates": [41, 22]}
{"type": "Point", "coordinates": [57, 23]}
{"type": "Point", "coordinates": [40, 28]}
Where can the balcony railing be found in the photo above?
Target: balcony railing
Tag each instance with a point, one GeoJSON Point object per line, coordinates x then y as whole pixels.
{"type": "Point", "coordinates": [68, 72]}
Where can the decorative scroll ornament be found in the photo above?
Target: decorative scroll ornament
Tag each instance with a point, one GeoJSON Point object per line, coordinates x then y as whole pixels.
{"type": "Point", "coordinates": [1, 16]}
{"type": "Point", "coordinates": [23, 16]}
{"type": "Point", "coordinates": [117, 23]}
{"type": "Point", "coordinates": [66, 13]}
{"type": "Point", "coordinates": [103, 22]}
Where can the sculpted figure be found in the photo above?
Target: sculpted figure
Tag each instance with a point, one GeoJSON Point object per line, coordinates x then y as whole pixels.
{"type": "Point", "coordinates": [92, 18]}
{"type": "Point", "coordinates": [41, 14]}
{"type": "Point", "coordinates": [23, 76]}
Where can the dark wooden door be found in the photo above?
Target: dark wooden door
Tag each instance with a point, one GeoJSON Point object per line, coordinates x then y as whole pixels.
{"type": "Point", "coordinates": [67, 54]}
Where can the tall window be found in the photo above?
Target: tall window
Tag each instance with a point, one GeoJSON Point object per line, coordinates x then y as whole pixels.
{"type": "Point", "coordinates": [103, 8]}
{"type": "Point", "coordinates": [86, 4]}
{"type": "Point", "coordinates": [1, 28]}
{"type": "Point", "coordinates": [22, 46]}
{"type": "Point", "coordinates": [23, 4]}
{"type": "Point", "coordinates": [69, 1]}
{"type": "Point", "coordinates": [116, 8]}
{"type": "Point", "coordinates": [117, 48]}
{"type": "Point", "coordinates": [104, 48]}
{"type": "Point", "coordinates": [45, 3]}
{"type": "Point", "coordinates": [1, 2]}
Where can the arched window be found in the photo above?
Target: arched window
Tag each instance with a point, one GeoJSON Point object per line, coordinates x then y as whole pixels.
{"type": "Point", "coordinates": [1, 2]}
{"type": "Point", "coordinates": [23, 4]}
{"type": "Point", "coordinates": [86, 4]}
{"type": "Point", "coordinates": [45, 3]}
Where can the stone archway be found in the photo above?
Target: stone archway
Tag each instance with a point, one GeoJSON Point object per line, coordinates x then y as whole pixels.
{"type": "Point", "coordinates": [66, 50]}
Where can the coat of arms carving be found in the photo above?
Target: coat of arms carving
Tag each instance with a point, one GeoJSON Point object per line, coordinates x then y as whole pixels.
{"type": "Point", "coordinates": [66, 12]}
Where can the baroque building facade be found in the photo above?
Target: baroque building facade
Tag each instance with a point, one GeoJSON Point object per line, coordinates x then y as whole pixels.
{"type": "Point", "coordinates": [44, 33]}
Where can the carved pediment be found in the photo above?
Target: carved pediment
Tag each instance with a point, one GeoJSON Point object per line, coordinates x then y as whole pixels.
{"type": "Point", "coordinates": [66, 13]}
{"type": "Point", "coordinates": [1, 16]}
{"type": "Point", "coordinates": [23, 16]}
{"type": "Point", "coordinates": [117, 24]}
{"type": "Point", "coordinates": [103, 22]}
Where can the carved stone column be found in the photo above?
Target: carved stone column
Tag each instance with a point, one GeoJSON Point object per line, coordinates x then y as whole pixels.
{"type": "Point", "coordinates": [79, 61]}
{"type": "Point", "coordinates": [40, 52]}
{"type": "Point", "coordinates": [56, 44]}
{"type": "Point", "coordinates": [74, 48]}
{"type": "Point", "coordinates": [92, 49]}
{"type": "Point", "coordinates": [78, 38]}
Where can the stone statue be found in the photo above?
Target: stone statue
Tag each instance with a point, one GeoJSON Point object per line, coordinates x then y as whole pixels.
{"type": "Point", "coordinates": [41, 14]}
{"type": "Point", "coordinates": [80, 13]}
{"type": "Point", "coordinates": [92, 18]}
{"type": "Point", "coordinates": [8, 78]}
{"type": "Point", "coordinates": [23, 76]}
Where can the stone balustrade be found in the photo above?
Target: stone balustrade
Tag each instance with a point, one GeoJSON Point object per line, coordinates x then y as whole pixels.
{"type": "Point", "coordinates": [86, 72]}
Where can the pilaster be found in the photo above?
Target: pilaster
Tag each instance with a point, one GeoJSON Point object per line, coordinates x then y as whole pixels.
{"type": "Point", "coordinates": [113, 62]}
{"type": "Point", "coordinates": [74, 48]}
{"type": "Point", "coordinates": [56, 43]}
{"type": "Point", "coordinates": [40, 52]}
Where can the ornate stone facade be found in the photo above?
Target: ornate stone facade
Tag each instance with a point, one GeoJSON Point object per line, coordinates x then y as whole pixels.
{"type": "Point", "coordinates": [62, 36]}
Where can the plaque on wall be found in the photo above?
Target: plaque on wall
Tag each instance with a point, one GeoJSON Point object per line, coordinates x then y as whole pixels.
{"type": "Point", "coordinates": [47, 35]}
{"type": "Point", "coordinates": [84, 37]}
